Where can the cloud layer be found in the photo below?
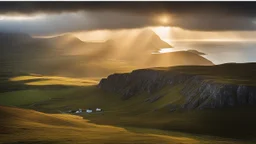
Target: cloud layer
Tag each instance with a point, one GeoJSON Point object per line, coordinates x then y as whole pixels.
{"type": "Point", "coordinates": [62, 17]}
{"type": "Point", "coordinates": [231, 8]}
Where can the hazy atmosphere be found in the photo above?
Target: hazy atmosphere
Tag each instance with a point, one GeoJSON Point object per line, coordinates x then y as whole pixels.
{"type": "Point", "coordinates": [127, 72]}
{"type": "Point", "coordinates": [225, 31]}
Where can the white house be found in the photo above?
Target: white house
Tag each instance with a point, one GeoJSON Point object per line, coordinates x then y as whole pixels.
{"type": "Point", "coordinates": [89, 111]}
{"type": "Point", "coordinates": [98, 109]}
{"type": "Point", "coordinates": [79, 111]}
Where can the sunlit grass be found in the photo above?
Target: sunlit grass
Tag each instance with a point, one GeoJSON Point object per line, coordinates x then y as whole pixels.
{"type": "Point", "coordinates": [33, 96]}
{"type": "Point", "coordinates": [61, 82]}
{"type": "Point", "coordinates": [26, 126]}
{"type": "Point", "coordinates": [21, 78]}
{"type": "Point", "coordinates": [54, 80]}
{"type": "Point", "coordinates": [29, 126]}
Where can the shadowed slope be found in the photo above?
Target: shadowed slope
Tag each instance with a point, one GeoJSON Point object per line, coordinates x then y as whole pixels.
{"type": "Point", "coordinates": [28, 126]}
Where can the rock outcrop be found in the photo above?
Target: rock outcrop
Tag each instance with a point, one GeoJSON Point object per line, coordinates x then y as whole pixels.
{"type": "Point", "coordinates": [198, 90]}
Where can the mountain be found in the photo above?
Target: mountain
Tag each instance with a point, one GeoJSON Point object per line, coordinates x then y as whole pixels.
{"type": "Point", "coordinates": [67, 55]}
{"type": "Point", "coordinates": [65, 37]}
{"type": "Point", "coordinates": [176, 58]}
{"type": "Point", "coordinates": [20, 52]}
{"type": "Point", "coordinates": [200, 87]}
{"type": "Point", "coordinates": [144, 39]}
{"type": "Point", "coordinates": [196, 52]}
{"type": "Point", "coordinates": [137, 47]}
{"type": "Point", "coordinates": [132, 44]}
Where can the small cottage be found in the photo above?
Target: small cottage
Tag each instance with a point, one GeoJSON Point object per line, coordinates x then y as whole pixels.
{"type": "Point", "coordinates": [98, 109]}
{"type": "Point", "coordinates": [79, 111]}
{"type": "Point", "coordinates": [89, 110]}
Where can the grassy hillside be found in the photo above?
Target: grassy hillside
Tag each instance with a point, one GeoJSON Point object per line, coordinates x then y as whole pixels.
{"type": "Point", "coordinates": [28, 90]}
{"type": "Point", "coordinates": [234, 73]}
{"type": "Point", "coordinates": [23, 81]}
{"type": "Point", "coordinates": [141, 111]}
{"type": "Point", "coordinates": [32, 96]}
{"type": "Point", "coordinates": [28, 126]}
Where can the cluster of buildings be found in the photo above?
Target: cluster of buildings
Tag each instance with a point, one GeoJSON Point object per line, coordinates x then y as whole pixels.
{"type": "Point", "coordinates": [85, 110]}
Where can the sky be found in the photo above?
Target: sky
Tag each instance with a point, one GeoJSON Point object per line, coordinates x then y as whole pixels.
{"type": "Point", "coordinates": [44, 18]}
{"type": "Point", "coordinates": [185, 25]}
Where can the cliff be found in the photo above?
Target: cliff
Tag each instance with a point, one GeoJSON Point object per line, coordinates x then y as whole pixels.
{"type": "Point", "coordinates": [201, 86]}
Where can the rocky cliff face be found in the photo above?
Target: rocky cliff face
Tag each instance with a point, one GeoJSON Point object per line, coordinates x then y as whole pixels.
{"type": "Point", "coordinates": [202, 94]}
{"type": "Point", "coordinates": [198, 91]}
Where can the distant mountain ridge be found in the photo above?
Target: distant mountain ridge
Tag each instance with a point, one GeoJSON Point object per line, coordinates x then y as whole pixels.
{"type": "Point", "coordinates": [14, 35]}
{"type": "Point", "coordinates": [177, 58]}
{"type": "Point", "coordinates": [66, 55]}
{"type": "Point", "coordinates": [196, 52]}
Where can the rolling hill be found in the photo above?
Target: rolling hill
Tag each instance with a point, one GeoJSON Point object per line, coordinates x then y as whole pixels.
{"type": "Point", "coordinates": [28, 126]}
{"type": "Point", "coordinates": [210, 100]}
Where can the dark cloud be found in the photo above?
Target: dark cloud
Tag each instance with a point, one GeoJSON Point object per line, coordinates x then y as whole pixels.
{"type": "Point", "coordinates": [233, 8]}
{"type": "Point", "coordinates": [75, 22]}
{"type": "Point", "coordinates": [77, 16]}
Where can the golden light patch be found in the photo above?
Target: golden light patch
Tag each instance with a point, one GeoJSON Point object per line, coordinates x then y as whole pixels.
{"type": "Point", "coordinates": [164, 32]}
{"type": "Point", "coordinates": [55, 80]}
{"type": "Point", "coordinates": [22, 78]}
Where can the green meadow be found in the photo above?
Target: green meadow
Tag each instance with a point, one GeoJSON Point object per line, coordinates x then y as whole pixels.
{"type": "Point", "coordinates": [138, 115]}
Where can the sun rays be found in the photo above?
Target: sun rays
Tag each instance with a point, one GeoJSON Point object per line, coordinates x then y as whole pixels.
{"type": "Point", "coordinates": [164, 32]}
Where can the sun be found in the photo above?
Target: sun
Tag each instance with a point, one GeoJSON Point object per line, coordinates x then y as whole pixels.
{"type": "Point", "coordinates": [164, 20]}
